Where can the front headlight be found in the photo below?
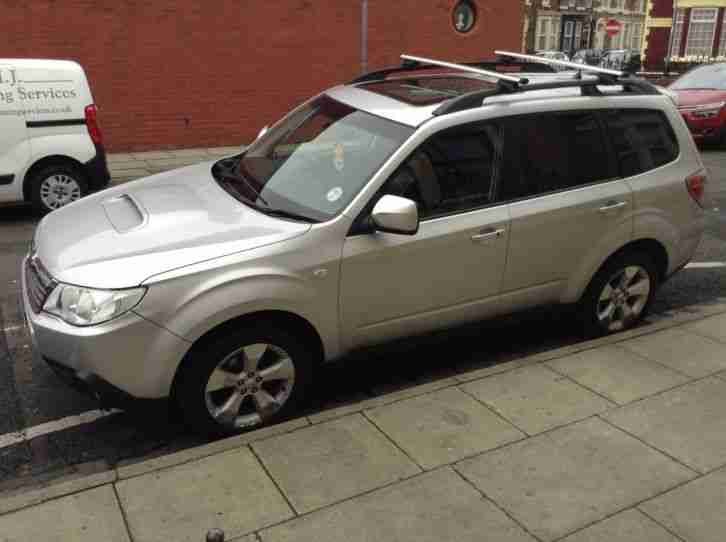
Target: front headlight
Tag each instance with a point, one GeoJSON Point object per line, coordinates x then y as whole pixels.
{"type": "Point", "coordinates": [87, 307]}
{"type": "Point", "coordinates": [708, 111]}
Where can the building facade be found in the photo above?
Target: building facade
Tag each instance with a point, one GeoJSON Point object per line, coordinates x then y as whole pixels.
{"type": "Point", "coordinates": [184, 73]}
{"type": "Point", "coordinates": [570, 25]}
{"type": "Point", "coordinates": [684, 32]}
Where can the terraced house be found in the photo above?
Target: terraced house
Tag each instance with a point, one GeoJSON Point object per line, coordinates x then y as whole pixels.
{"type": "Point", "coordinates": [571, 25]}
{"type": "Point", "coordinates": [684, 32]}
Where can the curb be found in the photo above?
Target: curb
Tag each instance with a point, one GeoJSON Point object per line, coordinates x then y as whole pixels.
{"type": "Point", "coordinates": [78, 482]}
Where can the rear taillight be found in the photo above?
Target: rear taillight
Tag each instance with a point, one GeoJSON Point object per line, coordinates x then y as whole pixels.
{"type": "Point", "coordinates": [94, 130]}
{"type": "Point", "coordinates": [696, 185]}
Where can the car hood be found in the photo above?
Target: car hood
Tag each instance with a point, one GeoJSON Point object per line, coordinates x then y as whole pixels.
{"type": "Point", "coordinates": [693, 98]}
{"type": "Point", "coordinates": [122, 236]}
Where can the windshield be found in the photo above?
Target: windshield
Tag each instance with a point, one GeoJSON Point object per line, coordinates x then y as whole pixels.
{"type": "Point", "coordinates": [314, 162]}
{"type": "Point", "coordinates": [711, 77]}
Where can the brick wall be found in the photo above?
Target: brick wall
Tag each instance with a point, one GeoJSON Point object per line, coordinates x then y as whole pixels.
{"type": "Point", "coordinates": [182, 73]}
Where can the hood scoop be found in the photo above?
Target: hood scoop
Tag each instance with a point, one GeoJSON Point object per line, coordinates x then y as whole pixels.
{"type": "Point", "coordinates": [124, 213]}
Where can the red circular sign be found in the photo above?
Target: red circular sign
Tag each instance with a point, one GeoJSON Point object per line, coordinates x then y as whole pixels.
{"type": "Point", "coordinates": [613, 27]}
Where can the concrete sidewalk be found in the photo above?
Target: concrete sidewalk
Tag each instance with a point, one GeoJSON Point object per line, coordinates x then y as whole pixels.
{"type": "Point", "coordinates": [129, 166]}
{"type": "Point", "coordinates": [622, 438]}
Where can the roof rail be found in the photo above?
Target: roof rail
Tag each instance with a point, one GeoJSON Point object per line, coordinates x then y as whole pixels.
{"type": "Point", "coordinates": [410, 63]}
{"type": "Point", "coordinates": [565, 64]}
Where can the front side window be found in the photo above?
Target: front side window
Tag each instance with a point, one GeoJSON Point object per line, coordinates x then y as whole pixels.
{"type": "Point", "coordinates": [551, 152]}
{"type": "Point", "coordinates": [642, 140]}
{"type": "Point", "coordinates": [313, 163]}
{"type": "Point", "coordinates": [701, 32]}
{"type": "Point", "coordinates": [452, 172]}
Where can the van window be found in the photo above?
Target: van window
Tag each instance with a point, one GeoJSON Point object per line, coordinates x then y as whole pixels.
{"type": "Point", "coordinates": [549, 152]}
{"type": "Point", "coordinates": [642, 139]}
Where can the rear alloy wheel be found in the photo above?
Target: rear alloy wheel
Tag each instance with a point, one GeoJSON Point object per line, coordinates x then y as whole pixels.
{"type": "Point", "coordinates": [243, 380]}
{"type": "Point", "coordinates": [55, 186]}
{"type": "Point", "coordinates": [619, 295]}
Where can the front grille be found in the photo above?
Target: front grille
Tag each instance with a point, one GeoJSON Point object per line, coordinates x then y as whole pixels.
{"type": "Point", "coordinates": [38, 282]}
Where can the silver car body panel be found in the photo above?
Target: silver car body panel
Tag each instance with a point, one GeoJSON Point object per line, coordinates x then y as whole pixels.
{"type": "Point", "coordinates": [207, 259]}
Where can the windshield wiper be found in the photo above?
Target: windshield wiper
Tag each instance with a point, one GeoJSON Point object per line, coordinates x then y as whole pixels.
{"type": "Point", "coordinates": [286, 214]}
{"type": "Point", "coordinates": [229, 174]}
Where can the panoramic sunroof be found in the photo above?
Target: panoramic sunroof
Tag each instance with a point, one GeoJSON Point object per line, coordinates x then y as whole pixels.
{"type": "Point", "coordinates": [424, 91]}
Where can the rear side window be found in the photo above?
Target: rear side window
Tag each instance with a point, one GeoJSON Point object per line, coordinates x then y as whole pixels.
{"type": "Point", "coordinates": [550, 152]}
{"type": "Point", "coordinates": [642, 139]}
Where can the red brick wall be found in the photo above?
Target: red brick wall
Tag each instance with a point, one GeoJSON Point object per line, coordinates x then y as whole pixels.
{"type": "Point", "coordinates": [182, 73]}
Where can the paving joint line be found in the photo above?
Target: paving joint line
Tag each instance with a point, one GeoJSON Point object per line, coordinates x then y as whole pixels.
{"type": "Point", "coordinates": [494, 411]}
{"type": "Point", "coordinates": [390, 439]}
{"type": "Point", "coordinates": [697, 472]}
{"type": "Point", "coordinates": [123, 512]}
{"type": "Point", "coordinates": [294, 511]}
{"type": "Point", "coordinates": [654, 520]}
{"type": "Point", "coordinates": [612, 403]}
{"type": "Point", "coordinates": [495, 503]}
{"type": "Point", "coordinates": [646, 358]}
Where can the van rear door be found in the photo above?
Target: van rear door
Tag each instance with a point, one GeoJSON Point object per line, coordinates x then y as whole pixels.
{"type": "Point", "coordinates": [14, 144]}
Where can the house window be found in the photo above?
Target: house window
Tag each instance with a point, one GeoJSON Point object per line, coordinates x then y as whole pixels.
{"type": "Point", "coordinates": [548, 30]}
{"type": "Point", "coordinates": [677, 33]}
{"type": "Point", "coordinates": [464, 17]}
{"type": "Point", "coordinates": [701, 31]}
{"type": "Point", "coordinates": [636, 36]}
{"type": "Point", "coordinates": [722, 42]}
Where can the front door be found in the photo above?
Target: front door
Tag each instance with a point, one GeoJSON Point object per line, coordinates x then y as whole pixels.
{"type": "Point", "coordinates": [14, 145]}
{"type": "Point", "coordinates": [451, 270]}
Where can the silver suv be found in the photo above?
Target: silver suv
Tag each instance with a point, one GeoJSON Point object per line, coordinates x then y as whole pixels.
{"type": "Point", "coordinates": [405, 201]}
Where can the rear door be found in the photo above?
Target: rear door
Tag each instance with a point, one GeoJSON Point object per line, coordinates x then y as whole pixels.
{"type": "Point", "coordinates": [567, 202]}
{"type": "Point", "coordinates": [14, 145]}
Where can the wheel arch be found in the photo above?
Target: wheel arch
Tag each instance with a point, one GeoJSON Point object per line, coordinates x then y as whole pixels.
{"type": "Point", "coordinates": [282, 318]}
{"type": "Point", "coordinates": [654, 248]}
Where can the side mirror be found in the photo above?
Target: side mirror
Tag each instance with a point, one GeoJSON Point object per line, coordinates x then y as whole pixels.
{"type": "Point", "coordinates": [393, 214]}
{"type": "Point", "coordinates": [263, 132]}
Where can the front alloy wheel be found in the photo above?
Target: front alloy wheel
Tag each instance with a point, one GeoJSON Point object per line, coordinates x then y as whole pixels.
{"type": "Point", "coordinates": [240, 379]}
{"type": "Point", "coordinates": [250, 386]}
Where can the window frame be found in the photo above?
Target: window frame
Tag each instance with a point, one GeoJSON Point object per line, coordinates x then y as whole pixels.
{"type": "Point", "coordinates": [703, 21]}
{"type": "Point", "coordinates": [614, 170]}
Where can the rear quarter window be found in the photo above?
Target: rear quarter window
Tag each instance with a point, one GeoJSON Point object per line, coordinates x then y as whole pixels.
{"type": "Point", "coordinates": [642, 139]}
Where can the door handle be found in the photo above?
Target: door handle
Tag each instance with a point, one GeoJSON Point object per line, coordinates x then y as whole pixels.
{"type": "Point", "coordinates": [488, 234]}
{"type": "Point", "coordinates": [612, 206]}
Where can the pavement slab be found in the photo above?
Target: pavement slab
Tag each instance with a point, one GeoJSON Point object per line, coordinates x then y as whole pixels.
{"type": "Point", "coordinates": [90, 516]}
{"type": "Point", "coordinates": [688, 353]}
{"type": "Point", "coordinates": [629, 526]}
{"type": "Point", "coordinates": [565, 479]}
{"type": "Point", "coordinates": [713, 328]}
{"type": "Point", "coordinates": [618, 374]}
{"type": "Point", "coordinates": [443, 427]}
{"type": "Point", "coordinates": [695, 511]}
{"type": "Point", "coordinates": [229, 491]}
{"type": "Point", "coordinates": [536, 398]}
{"type": "Point", "coordinates": [432, 507]}
{"type": "Point", "coordinates": [326, 463]}
{"type": "Point", "coordinates": [688, 423]}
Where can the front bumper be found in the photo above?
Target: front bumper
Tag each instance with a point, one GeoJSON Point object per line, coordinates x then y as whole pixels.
{"type": "Point", "coordinates": [131, 354]}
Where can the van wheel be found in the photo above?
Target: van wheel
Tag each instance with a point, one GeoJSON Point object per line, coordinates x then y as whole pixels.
{"type": "Point", "coordinates": [243, 379]}
{"type": "Point", "coordinates": [56, 185]}
{"type": "Point", "coordinates": [619, 295]}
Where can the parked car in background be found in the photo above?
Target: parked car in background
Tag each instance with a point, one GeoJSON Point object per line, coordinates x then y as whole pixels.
{"type": "Point", "coordinates": [51, 147]}
{"type": "Point", "coordinates": [591, 57]}
{"type": "Point", "coordinates": [555, 55]}
{"type": "Point", "coordinates": [626, 60]}
{"type": "Point", "coordinates": [402, 202]}
{"type": "Point", "coordinates": [702, 101]}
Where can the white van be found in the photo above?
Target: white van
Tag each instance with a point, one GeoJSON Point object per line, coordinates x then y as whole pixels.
{"type": "Point", "coordinates": [51, 147]}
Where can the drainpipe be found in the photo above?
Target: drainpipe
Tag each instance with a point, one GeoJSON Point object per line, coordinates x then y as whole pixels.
{"type": "Point", "coordinates": [364, 36]}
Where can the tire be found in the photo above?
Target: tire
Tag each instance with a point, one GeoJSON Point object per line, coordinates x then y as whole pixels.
{"type": "Point", "coordinates": [56, 185]}
{"type": "Point", "coordinates": [627, 309]}
{"type": "Point", "coordinates": [201, 386]}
